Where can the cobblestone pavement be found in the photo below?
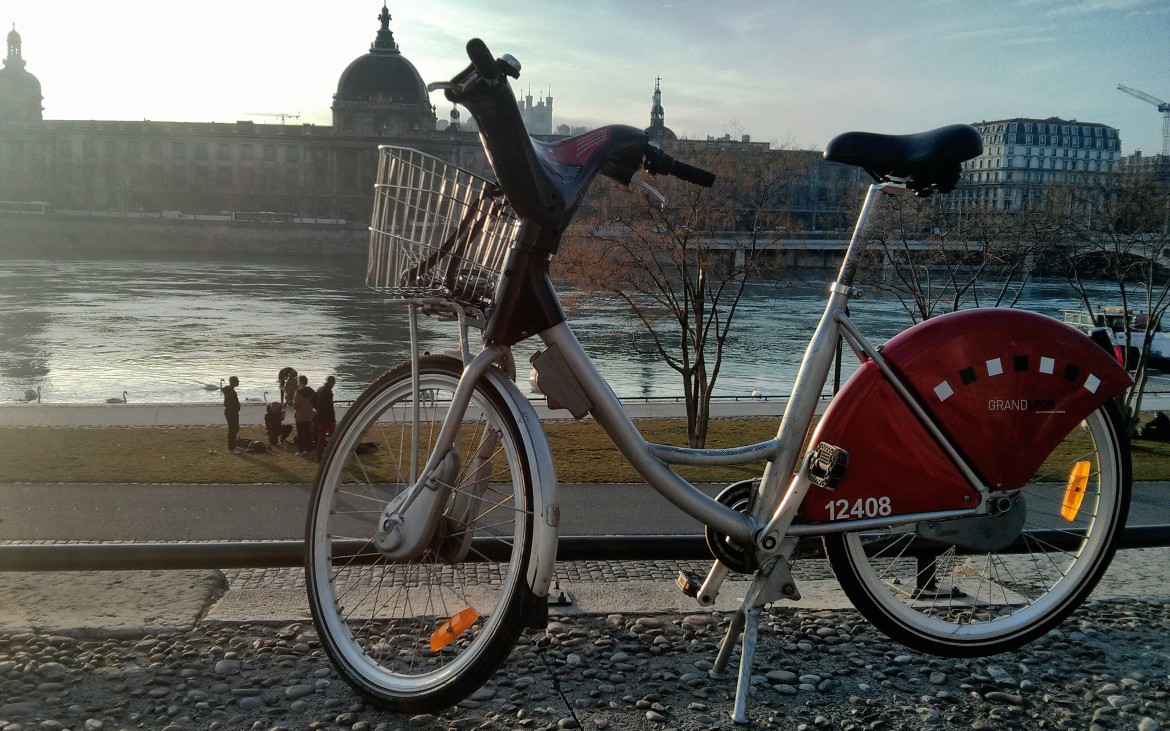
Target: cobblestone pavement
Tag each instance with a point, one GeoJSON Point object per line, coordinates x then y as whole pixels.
{"type": "Point", "coordinates": [569, 571]}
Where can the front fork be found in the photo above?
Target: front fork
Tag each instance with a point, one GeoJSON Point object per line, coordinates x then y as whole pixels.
{"type": "Point", "coordinates": [409, 522]}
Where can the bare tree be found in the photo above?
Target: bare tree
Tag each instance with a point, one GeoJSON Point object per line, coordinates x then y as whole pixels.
{"type": "Point", "coordinates": [937, 257]}
{"type": "Point", "coordinates": [1118, 234]}
{"type": "Point", "coordinates": [681, 271]}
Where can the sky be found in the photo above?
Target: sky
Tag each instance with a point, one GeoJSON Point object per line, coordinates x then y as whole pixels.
{"type": "Point", "coordinates": [790, 72]}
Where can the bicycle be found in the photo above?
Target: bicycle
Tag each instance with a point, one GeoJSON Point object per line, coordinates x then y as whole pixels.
{"type": "Point", "coordinates": [433, 528]}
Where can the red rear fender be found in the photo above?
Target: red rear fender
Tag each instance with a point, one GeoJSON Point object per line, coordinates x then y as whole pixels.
{"type": "Point", "coordinates": [1004, 385]}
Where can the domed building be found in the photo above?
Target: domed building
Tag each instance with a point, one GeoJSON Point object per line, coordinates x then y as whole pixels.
{"type": "Point", "coordinates": [20, 92]}
{"type": "Point", "coordinates": [246, 171]}
{"type": "Point", "coordinates": [382, 93]}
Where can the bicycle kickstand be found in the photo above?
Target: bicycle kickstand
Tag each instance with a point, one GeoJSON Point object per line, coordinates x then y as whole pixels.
{"type": "Point", "coordinates": [769, 585]}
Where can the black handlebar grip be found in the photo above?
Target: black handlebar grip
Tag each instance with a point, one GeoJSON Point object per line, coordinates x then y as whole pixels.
{"type": "Point", "coordinates": [692, 174]}
{"type": "Point", "coordinates": [482, 60]}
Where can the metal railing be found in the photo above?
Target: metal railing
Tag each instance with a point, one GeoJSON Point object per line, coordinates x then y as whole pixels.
{"type": "Point", "coordinates": [278, 554]}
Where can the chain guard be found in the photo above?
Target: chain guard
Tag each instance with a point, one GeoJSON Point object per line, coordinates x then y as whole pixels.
{"type": "Point", "coordinates": [738, 496]}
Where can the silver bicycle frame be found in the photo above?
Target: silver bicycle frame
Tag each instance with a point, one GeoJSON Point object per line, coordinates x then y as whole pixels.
{"type": "Point", "coordinates": [776, 503]}
{"type": "Point", "coordinates": [782, 487]}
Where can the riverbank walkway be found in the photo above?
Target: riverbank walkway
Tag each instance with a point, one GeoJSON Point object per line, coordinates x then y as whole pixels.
{"type": "Point", "coordinates": [252, 412]}
{"type": "Point", "coordinates": [182, 597]}
{"type": "Point", "coordinates": [95, 415]}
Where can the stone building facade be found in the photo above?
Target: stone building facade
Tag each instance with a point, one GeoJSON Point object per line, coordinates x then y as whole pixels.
{"type": "Point", "coordinates": [189, 168]}
{"type": "Point", "coordinates": [248, 171]}
{"type": "Point", "coordinates": [1022, 155]}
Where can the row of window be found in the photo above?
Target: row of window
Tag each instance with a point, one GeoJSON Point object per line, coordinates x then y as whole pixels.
{"type": "Point", "coordinates": [1052, 128]}
{"type": "Point", "coordinates": [1027, 153]}
{"type": "Point", "coordinates": [1052, 152]}
{"type": "Point", "coordinates": [995, 176]}
{"type": "Point", "coordinates": [1054, 141]}
{"type": "Point", "coordinates": [158, 150]}
{"type": "Point", "coordinates": [180, 150]}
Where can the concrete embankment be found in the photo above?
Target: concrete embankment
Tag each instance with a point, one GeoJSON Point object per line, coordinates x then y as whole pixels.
{"type": "Point", "coordinates": [89, 415]}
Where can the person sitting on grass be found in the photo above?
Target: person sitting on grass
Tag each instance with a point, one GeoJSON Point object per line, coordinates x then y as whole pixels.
{"type": "Point", "coordinates": [274, 424]}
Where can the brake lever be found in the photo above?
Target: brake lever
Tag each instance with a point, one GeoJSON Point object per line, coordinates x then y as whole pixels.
{"type": "Point", "coordinates": [658, 197]}
{"type": "Point", "coordinates": [442, 86]}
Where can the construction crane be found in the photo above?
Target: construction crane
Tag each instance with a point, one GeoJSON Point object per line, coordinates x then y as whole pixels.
{"type": "Point", "coordinates": [1163, 107]}
{"type": "Point", "coordinates": [283, 116]}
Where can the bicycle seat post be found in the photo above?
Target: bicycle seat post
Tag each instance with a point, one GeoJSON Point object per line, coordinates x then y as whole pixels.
{"type": "Point", "coordinates": [857, 243]}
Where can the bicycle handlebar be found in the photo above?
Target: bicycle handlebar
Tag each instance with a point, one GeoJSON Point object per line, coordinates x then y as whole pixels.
{"type": "Point", "coordinates": [659, 163]}
{"type": "Point", "coordinates": [482, 60]}
{"type": "Point", "coordinates": [521, 163]}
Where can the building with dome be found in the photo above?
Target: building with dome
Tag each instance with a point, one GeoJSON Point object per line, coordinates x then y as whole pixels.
{"type": "Point", "coordinates": [381, 92]}
{"type": "Point", "coordinates": [242, 170]}
{"type": "Point", "coordinates": [20, 92]}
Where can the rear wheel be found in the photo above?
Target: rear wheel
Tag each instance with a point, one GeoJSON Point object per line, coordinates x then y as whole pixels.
{"type": "Point", "coordinates": [943, 600]}
{"type": "Point", "coordinates": [421, 634]}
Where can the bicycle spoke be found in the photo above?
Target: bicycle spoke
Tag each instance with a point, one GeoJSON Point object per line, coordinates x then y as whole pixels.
{"type": "Point", "coordinates": [388, 611]}
{"type": "Point", "coordinates": [957, 603]}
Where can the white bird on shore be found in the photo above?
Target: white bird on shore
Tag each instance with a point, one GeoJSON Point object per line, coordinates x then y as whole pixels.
{"type": "Point", "coordinates": [116, 400]}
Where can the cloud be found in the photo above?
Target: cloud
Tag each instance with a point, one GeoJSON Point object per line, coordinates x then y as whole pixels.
{"type": "Point", "coordinates": [1088, 7]}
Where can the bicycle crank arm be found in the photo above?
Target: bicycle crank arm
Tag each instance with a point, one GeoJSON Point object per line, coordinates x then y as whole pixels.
{"type": "Point", "coordinates": [408, 522]}
{"type": "Point", "coordinates": [709, 591]}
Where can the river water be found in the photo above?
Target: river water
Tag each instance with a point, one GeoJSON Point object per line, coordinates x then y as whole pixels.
{"type": "Point", "coordinates": [167, 330]}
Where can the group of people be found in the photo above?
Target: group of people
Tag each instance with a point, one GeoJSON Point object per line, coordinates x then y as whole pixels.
{"type": "Point", "coordinates": [313, 413]}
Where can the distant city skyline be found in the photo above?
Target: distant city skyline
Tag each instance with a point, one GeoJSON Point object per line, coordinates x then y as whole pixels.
{"type": "Point", "coordinates": [789, 73]}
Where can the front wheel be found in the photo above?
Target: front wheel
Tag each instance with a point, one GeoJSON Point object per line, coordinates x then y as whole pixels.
{"type": "Point", "coordinates": [940, 599]}
{"type": "Point", "coordinates": [421, 634]}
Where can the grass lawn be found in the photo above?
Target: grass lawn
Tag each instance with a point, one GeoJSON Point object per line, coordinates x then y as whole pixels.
{"type": "Point", "coordinates": [197, 455]}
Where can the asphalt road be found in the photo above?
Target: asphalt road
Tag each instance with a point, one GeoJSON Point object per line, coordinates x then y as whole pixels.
{"type": "Point", "coordinates": [56, 512]}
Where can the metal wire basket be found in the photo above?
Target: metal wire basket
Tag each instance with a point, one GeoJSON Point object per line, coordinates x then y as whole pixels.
{"type": "Point", "coordinates": [437, 230]}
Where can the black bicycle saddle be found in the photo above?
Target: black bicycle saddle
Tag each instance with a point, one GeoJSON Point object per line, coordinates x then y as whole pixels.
{"type": "Point", "coordinates": [930, 162]}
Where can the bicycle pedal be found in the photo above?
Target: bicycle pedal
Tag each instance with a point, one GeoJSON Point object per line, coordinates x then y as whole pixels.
{"type": "Point", "coordinates": [688, 584]}
{"type": "Point", "coordinates": [827, 464]}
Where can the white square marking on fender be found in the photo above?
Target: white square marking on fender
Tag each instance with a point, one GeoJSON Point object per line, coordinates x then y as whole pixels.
{"type": "Point", "coordinates": [1047, 365]}
{"type": "Point", "coordinates": [1091, 383]}
{"type": "Point", "coordinates": [943, 391]}
{"type": "Point", "coordinates": [994, 367]}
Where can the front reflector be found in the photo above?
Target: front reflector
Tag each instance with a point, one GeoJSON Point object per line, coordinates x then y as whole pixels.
{"type": "Point", "coordinates": [1074, 493]}
{"type": "Point", "coordinates": [452, 628]}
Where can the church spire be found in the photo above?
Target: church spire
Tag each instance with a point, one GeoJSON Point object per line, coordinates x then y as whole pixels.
{"type": "Point", "coordinates": [658, 130]}
{"type": "Point", "coordinates": [657, 116]}
{"type": "Point", "coordinates": [384, 42]}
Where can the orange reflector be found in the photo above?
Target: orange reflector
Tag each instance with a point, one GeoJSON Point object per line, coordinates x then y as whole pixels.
{"type": "Point", "coordinates": [452, 628]}
{"type": "Point", "coordinates": [1078, 480]}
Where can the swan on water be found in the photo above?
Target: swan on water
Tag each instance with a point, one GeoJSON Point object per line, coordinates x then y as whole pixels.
{"type": "Point", "coordinates": [31, 395]}
{"type": "Point", "coordinates": [213, 387]}
{"type": "Point", "coordinates": [116, 400]}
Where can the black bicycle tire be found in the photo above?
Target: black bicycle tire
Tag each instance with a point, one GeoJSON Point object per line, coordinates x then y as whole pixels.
{"type": "Point", "coordinates": [496, 648]}
{"type": "Point", "coordinates": [861, 593]}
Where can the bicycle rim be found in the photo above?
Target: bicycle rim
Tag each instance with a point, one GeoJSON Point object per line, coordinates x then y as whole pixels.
{"type": "Point", "coordinates": [420, 634]}
{"type": "Point", "coordinates": [946, 601]}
